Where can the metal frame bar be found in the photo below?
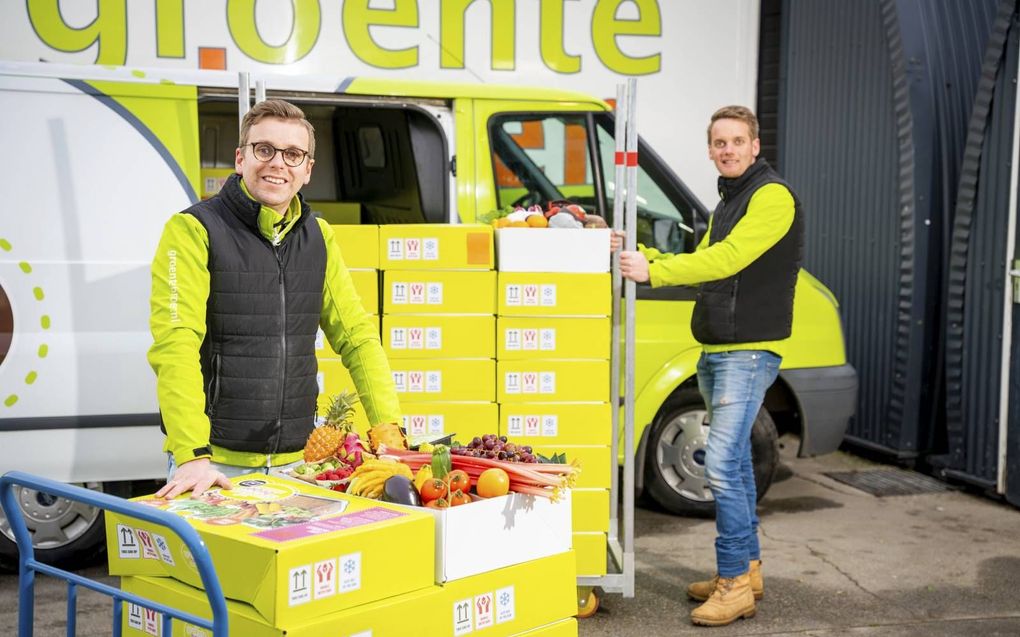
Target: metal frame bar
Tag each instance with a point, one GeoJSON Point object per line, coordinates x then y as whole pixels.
{"type": "Point", "coordinates": [28, 566]}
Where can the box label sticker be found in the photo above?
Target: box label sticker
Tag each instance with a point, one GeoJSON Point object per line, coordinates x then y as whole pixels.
{"type": "Point", "coordinates": [512, 383]}
{"type": "Point", "coordinates": [433, 381]}
{"type": "Point", "coordinates": [398, 338]}
{"type": "Point", "coordinates": [135, 619]}
{"type": "Point", "coordinates": [436, 424]}
{"type": "Point", "coordinates": [416, 425]}
{"type": "Point", "coordinates": [190, 630]}
{"type": "Point", "coordinates": [434, 294]}
{"type": "Point", "coordinates": [515, 425]}
{"type": "Point", "coordinates": [505, 604]}
{"type": "Point", "coordinates": [549, 295]}
{"type": "Point", "coordinates": [153, 622]}
{"type": "Point", "coordinates": [400, 380]}
{"type": "Point", "coordinates": [394, 249]}
{"type": "Point", "coordinates": [364, 633]}
{"type": "Point", "coordinates": [430, 249]}
{"type": "Point", "coordinates": [412, 249]}
{"type": "Point", "coordinates": [529, 383]}
{"type": "Point", "coordinates": [550, 425]}
{"type": "Point", "coordinates": [147, 544]}
{"type": "Point", "coordinates": [325, 578]}
{"type": "Point", "coordinates": [350, 572]}
{"type": "Point", "coordinates": [398, 293]}
{"type": "Point", "coordinates": [547, 339]}
{"type": "Point", "coordinates": [320, 339]}
{"type": "Point", "coordinates": [163, 548]}
{"type": "Point", "coordinates": [512, 339]}
{"type": "Point", "coordinates": [416, 293]}
{"type": "Point", "coordinates": [462, 617]}
{"type": "Point", "coordinates": [531, 426]}
{"type": "Point", "coordinates": [547, 382]}
{"type": "Point", "coordinates": [529, 339]}
{"type": "Point", "coordinates": [127, 545]}
{"type": "Point", "coordinates": [529, 294]}
{"type": "Point", "coordinates": [433, 338]}
{"type": "Point", "coordinates": [415, 338]}
{"type": "Point", "coordinates": [484, 610]}
{"type": "Point", "coordinates": [415, 381]}
{"type": "Point", "coordinates": [299, 585]}
{"type": "Point", "coordinates": [513, 294]}
{"type": "Point", "coordinates": [320, 380]}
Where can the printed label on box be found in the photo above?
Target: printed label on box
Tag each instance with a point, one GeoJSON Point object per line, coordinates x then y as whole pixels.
{"type": "Point", "coordinates": [435, 293]}
{"type": "Point", "coordinates": [547, 382]}
{"type": "Point", "coordinates": [529, 383]}
{"type": "Point", "coordinates": [325, 578]}
{"type": "Point", "coordinates": [320, 380]}
{"type": "Point", "coordinates": [550, 425]}
{"type": "Point", "coordinates": [529, 294]}
{"type": "Point", "coordinates": [433, 381]}
{"type": "Point", "coordinates": [433, 338]}
{"type": "Point", "coordinates": [415, 381]}
{"type": "Point", "coordinates": [505, 604]}
{"type": "Point", "coordinates": [436, 424]}
{"type": "Point", "coordinates": [190, 630]}
{"type": "Point", "coordinates": [430, 249]}
{"type": "Point", "coordinates": [127, 544]}
{"type": "Point", "coordinates": [415, 338]}
{"type": "Point", "coordinates": [320, 339]}
{"type": "Point", "coordinates": [398, 293]}
{"type": "Point", "coordinates": [462, 617]}
{"type": "Point", "coordinates": [135, 616]}
{"type": "Point", "coordinates": [515, 425]}
{"type": "Point", "coordinates": [394, 249]}
{"type": "Point", "coordinates": [484, 610]}
{"type": "Point", "coordinates": [400, 380]}
{"type": "Point", "coordinates": [398, 338]}
{"type": "Point", "coordinates": [529, 339]}
{"type": "Point", "coordinates": [350, 572]}
{"type": "Point", "coordinates": [531, 425]}
{"type": "Point", "coordinates": [163, 548]}
{"type": "Point", "coordinates": [147, 544]}
{"type": "Point", "coordinates": [549, 295]}
{"type": "Point", "coordinates": [512, 339]}
{"type": "Point", "coordinates": [416, 425]}
{"type": "Point", "coordinates": [512, 383]}
{"type": "Point", "coordinates": [547, 339]}
{"type": "Point", "coordinates": [364, 633]}
{"type": "Point", "coordinates": [153, 622]}
{"type": "Point", "coordinates": [412, 249]}
{"type": "Point", "coordinates": [299, 585]}
{"type": "Point", "coordinates": [513, 294]}
{"type": "Point", "coordinates": [416, 293]}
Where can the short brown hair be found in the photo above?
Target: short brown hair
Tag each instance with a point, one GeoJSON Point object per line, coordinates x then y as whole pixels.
{"type": "Point", "coordinates": [281, 110]}
{"type": "Point", "coordinates": [741, 113]}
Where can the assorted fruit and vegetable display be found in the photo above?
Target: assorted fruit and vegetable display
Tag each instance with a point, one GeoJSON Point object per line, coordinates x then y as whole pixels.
{"type": "Point", "coordinates": [558, 214]}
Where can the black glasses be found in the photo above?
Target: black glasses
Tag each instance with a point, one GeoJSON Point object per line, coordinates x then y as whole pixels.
{"type": "Point", "coordinates": [265, 151]}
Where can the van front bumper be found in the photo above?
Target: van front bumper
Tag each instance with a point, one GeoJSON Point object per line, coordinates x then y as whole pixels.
{"type": "Point", "coordinates": [827, 399]}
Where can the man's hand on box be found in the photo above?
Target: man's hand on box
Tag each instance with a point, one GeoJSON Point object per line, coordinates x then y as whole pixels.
{"type": "Point", "coordinates": [634, 266]}
{"type": "Point", "coordinates": [196, 476]}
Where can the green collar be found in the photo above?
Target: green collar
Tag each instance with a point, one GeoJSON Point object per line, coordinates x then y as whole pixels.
{"type": "Point", "coordinates": [272, 225]}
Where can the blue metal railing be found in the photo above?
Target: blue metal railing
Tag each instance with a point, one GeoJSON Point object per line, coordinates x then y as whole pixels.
{"type": "Point", "coordinates": [28, 566]}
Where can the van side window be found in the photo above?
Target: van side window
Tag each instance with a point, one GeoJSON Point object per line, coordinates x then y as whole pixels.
{"type": "Point", "coordinates": [538, 158]}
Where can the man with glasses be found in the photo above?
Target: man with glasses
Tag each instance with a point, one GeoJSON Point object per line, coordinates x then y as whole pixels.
{"type": "Point", "coordinates": [240, 284]}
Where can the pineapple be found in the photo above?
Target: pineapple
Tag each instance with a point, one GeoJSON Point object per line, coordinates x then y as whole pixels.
{"type": "Point", "coordinates": [325, 439]}
{"type": "Point", "coordinates": [387, 434]}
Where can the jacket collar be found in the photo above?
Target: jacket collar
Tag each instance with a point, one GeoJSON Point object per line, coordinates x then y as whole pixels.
{"type": "Point", "coordinates": [730, 187]}
{"type": "Point", "coordinates": [247, 209]}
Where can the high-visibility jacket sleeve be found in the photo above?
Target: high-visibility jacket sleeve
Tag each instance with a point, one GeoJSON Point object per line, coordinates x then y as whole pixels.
{"type": "Point", "coordinates": [653, 253]}
{"type": "Point", "coordinates": [768, 219]}
{"type": "Point", "coordinates": [180, 290]}
{"type": "Point", "coordinates": [354, 335]}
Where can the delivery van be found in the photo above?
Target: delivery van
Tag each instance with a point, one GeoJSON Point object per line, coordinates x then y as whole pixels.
{"type": "Point", "coordinates": [99, 158]}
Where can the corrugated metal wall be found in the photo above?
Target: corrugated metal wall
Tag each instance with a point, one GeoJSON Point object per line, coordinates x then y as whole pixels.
{"type": "Point", "coordinates": [978, 263]}
{"type": "Point", "coordinates": [872, 106]}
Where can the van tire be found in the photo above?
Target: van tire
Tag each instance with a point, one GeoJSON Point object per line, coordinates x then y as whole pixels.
{"type": "Point", "coordinates": [84, 543]}
{"type": "Point", "coordinates": [681, 487]}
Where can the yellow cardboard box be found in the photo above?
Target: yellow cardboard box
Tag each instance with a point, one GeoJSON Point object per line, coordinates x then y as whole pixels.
{"type": "Point", "coordinates": [438, 379]}
{"type": "Point", "coordinates": [430, 246]}
{"type": "Point", "coordinates": [439, 336]}
{"type": "Point", "coordinates": [592, 553]}
{"type": "Point", "coordinates": [596, 463]}
{"type": "Point", "coordinates": [359, 245]}
{"type": "Point", "coordinates": [521, 337]}
{"type": "Point", "coordinates": [549, 424]}
{"type": "Point", "coordinates": [554, 294]}
{"type": "Point", "coordinates": [292, 550]}
{"type": "Point", "coordinates": [384, 618]}
{"type": "Point", "coordinates": [466, 420]}
{"type": "Point", "coordinates": [213, 180]}
{"type": "Point", "coordinates": [590, 509]}
{"type": "Point", "coordinates": [439, 292]}
{"type": "Point", "coordinates": [322, 347]}
{"type": "Point", "coordinates": [564, 628]}
{"type": "Point", "coordinates": [552, 381]}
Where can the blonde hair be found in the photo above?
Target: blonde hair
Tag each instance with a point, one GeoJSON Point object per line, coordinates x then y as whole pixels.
{"type": "Point", "coordinates": [281, 110]}
{"type": "Point", "coordinates": [741, 113]}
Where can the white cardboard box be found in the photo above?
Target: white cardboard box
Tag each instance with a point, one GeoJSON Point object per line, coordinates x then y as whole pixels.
{"type": "Point", "coordinates": [497, 532]}
{"type": "Point", "coordinates": [552, 250]}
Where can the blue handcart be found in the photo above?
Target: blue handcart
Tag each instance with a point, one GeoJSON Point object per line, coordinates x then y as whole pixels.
{"type": "Point", "coordinates": [28, 566]}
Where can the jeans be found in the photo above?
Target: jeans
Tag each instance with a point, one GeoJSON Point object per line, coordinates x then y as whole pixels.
{"type": "Point", "coordinates": [733, 385]}
{"type": "Point", "coordinates": [229, 470]}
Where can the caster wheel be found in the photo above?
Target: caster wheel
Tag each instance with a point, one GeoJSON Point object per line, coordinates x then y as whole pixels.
{"type": "Point", "coordinates": [587, 602]}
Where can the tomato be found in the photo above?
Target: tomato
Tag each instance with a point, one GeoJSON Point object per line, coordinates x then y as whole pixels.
{"type": "Point", "coordinates": [440, 503]}
{"type": "Point", "coordinates": [458, 498]}
{"type": "Point", "coordinates": [459, 480]}
{"type": "Point", "coordinates": [493, 483]}
{"type": "Point", "coordinates": [433, 489]}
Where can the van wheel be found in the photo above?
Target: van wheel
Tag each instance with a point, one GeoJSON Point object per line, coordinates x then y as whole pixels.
{"type": "Point", "coordinates": [675, 464]}
{"type": "Point", "coordinates": [65, 533]}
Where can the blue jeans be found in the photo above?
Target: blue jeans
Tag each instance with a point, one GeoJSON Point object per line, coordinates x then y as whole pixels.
{"type": "Point", "coordinates": [733, 385]}
{"type": "Point", "coordinates": [229, 470]}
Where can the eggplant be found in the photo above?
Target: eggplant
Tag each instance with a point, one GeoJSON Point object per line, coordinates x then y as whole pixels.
{"type": "Point", "coordinates": [400, 490]}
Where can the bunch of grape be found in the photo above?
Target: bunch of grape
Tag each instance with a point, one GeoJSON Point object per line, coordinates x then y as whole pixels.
{"type": "Point", "coordinates": [495, 447]}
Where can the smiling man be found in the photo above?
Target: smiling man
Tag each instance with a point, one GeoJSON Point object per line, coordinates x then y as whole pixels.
{"type": "Point", "coordinates": [746, 270]}
{"type": "Point", "coordinates": [240, 284]}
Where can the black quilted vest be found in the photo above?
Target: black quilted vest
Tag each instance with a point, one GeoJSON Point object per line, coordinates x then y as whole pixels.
{"type": "Point", "coordinates": [258, 357]}
{"type": "Point", "coordinates": [756, 304]}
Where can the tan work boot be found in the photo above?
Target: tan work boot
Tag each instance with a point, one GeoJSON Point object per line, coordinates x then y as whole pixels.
{"type": "Point", "coordinates": [731, 600]}
{"type": "Point", "coordinates": [700, 591]}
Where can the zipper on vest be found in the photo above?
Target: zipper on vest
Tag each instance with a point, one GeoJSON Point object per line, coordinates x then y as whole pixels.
{"type": "Point", "coordinates": [283, 350]}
